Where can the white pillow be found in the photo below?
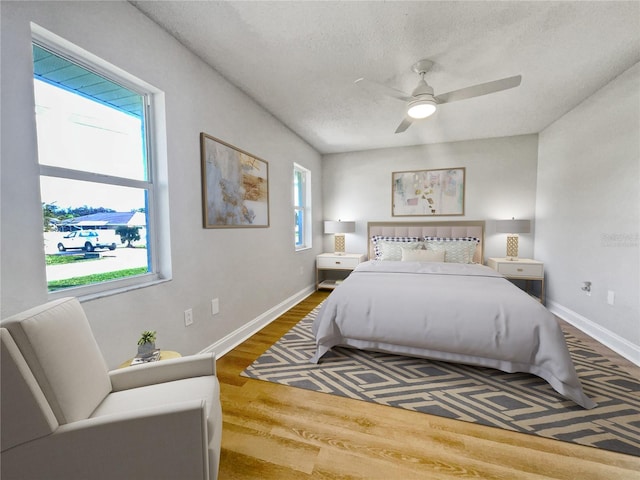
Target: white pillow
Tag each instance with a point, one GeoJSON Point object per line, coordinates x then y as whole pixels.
{"type": "Point", "coordinates": [456, 250]}
{"type": "Point", "coordinates": [422, 255]}
{"type": "Point", "coordinates": [393, 250]}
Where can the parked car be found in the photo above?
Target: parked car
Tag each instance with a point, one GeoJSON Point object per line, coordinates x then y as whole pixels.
{"type": "Point", "coordinates": [88, 240]}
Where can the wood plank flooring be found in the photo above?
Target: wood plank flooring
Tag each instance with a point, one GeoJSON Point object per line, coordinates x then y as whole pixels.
{"type": "Point", "coordinates": [274, 432]}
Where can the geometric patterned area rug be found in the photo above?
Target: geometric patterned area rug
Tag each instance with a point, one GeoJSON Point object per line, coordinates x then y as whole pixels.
{"type": "Point", "coordinates": [512, 401]}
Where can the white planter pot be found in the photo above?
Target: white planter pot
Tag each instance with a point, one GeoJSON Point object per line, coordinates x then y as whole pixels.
{"type": "Point", "coordinates": [146, 348]}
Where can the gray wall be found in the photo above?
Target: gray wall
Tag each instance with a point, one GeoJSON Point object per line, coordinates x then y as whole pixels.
{"type": "Point", "coordinates": [588, 213]}
{"type": "Point", "coordinates": [251, 271]}
{"type": "Point", "coordinates": [500, 184]}
{"type": "Point", "coordinates": [579, 181]}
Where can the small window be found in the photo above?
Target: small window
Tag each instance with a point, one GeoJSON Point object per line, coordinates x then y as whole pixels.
{"type": "Point", "coordinates": [302, 207]}
{"type": "Point", "coordinates": [96, 174]}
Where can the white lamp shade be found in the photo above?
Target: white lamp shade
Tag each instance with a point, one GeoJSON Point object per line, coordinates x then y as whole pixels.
{"type": "Point", "coordinates": [331, 226]}
{"type": "Point", "coordinates": [513, 226]}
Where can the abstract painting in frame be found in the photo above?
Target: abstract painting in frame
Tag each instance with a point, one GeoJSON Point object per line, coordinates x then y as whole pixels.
{"type": "Point", "coordinates": [428, 192]}
{"type": "Point", "coordinates": [235, 186]}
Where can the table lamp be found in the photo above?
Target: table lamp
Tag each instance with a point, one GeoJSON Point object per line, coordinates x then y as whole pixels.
{"type": "Point", "coordinates": [339, 229]}
{"type": "Point", "coordinates": [512, 228]}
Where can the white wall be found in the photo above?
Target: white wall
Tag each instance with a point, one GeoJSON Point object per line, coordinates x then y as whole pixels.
{"type": "Point", "coordinates": [500, 184]}
{"type": "Point", "coordinates": [250, 270]}
{"type": "Point", "coordinates": [588, 213]}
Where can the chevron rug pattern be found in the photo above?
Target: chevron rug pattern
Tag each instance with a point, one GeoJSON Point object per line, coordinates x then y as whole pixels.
{"type": "Point", "coordinates": [519, 402]}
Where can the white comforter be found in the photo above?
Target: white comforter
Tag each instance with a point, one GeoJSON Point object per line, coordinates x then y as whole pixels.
{"type": "Point", "coordinates": [445, 311]}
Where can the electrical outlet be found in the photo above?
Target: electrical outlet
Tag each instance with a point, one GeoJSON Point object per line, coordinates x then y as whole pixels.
{"type": "Point", "coordinates": [611, 297]}
{"type": "Point", "coordinates": [188, 317]}
{"type": "Point", "coordinates": [215, 306]}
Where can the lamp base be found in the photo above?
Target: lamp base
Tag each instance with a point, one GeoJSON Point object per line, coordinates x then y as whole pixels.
{"type": "Point", "coordinates": [512, 248]}
{"type": "Point", "coordinates": [339, 244]}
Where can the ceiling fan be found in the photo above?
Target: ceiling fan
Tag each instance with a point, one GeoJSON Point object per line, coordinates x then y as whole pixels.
{"type": "Point", "coordinates": [422, 102]}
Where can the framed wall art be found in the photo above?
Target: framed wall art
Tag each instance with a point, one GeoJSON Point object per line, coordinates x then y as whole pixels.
{"type": "Point", "coordinates": [428, 192]}
{"type": "Point", "coordinates": [235, 186]}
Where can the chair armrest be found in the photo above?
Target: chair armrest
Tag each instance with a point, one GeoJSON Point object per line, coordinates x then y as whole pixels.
{"type": "Point", "coordinates": [163, 371]}
{"type": "Point", "coordinates": [160, 442]}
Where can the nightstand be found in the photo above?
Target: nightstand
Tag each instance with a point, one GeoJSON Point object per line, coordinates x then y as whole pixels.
{"type": "Point", "coordinates": [332, 268]}
{"type": "Point", "coordinates": [520, 269]}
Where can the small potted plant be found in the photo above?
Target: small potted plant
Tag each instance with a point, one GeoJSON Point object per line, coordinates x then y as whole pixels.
{"type": "Point", "coordinates": [147, 342]}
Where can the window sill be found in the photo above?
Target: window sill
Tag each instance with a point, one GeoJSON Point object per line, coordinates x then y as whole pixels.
{"type": "Point", "coordinates": [88, 296]}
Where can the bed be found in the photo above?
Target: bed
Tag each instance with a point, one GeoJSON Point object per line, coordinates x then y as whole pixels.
{"type": "Point", "coordinates": [425, 293]}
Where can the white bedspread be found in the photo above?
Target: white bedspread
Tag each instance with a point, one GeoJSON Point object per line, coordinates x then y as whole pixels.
{"type": "Point", "coordinates": [446, 311]}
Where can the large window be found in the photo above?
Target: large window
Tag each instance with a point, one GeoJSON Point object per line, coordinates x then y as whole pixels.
{"type": "Point", "coordinates": [96, 175]}
{"type": "Point", "coordinates": [302, 206]}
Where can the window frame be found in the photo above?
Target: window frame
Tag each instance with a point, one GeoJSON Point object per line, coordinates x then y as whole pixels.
{"type": "Point", "coordinates": [305, 208]}
{"type": "Point", "coordinates": [157, 211]}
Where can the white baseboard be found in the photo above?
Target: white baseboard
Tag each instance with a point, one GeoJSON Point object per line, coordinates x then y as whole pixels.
{"type": "Point", "coordinates": [608, 338]}
{"type": "Point", "coordinates": [235, 338]}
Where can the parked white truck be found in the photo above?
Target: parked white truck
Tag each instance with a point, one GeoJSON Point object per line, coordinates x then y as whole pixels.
{"type": "Point", "coordinates": [88, 240]}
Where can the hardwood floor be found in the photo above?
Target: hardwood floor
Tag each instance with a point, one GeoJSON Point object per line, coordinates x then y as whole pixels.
{"type": "Point", "coordinates": [276, 432]}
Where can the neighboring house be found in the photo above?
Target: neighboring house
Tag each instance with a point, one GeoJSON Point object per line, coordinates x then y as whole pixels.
{"type": "Point", "coordinates": [97, 221]}
{"type": "Point", "coordinates": [101, 221]}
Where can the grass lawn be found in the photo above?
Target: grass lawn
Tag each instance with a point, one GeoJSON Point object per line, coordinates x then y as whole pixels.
{"type": "Point", "coordinates": [95, 278]}
{"type": "Point", "coordinates": [63, 259]}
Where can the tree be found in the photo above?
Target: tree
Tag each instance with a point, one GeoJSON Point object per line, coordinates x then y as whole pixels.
{"type": "Point", "coordinates": [128, 234]}
{"type": "Point", "coordinates": [87, 210]}
{"type": "Point", "coordinates": [51, 215]}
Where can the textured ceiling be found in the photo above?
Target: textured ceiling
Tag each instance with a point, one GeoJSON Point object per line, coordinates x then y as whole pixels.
{"type": "Point", "coordinates": [299, 59]}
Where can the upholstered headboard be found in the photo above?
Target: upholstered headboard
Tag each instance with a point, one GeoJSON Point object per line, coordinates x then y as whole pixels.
{"type": "Point", "coordinates": [456, 229]}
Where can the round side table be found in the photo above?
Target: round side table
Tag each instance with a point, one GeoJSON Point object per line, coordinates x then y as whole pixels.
{"type": "Point", "coordinates": [164, 355]}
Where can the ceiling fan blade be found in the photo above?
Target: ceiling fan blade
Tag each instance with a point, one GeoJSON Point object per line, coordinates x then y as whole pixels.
{"type": "Point", "coordinates": [406, 123]}
{"type": "Point", "coordinates": [383, 89]}
{"type": "Point", "coordinates": [478, 90]}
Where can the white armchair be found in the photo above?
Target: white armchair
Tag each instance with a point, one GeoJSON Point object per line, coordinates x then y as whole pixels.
{"type": "Point", "coordinates": [65, 416]}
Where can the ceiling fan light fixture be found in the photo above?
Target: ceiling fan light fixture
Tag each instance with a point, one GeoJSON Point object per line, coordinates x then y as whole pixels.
{"type": "Point", "coordinates": [421, 108]}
